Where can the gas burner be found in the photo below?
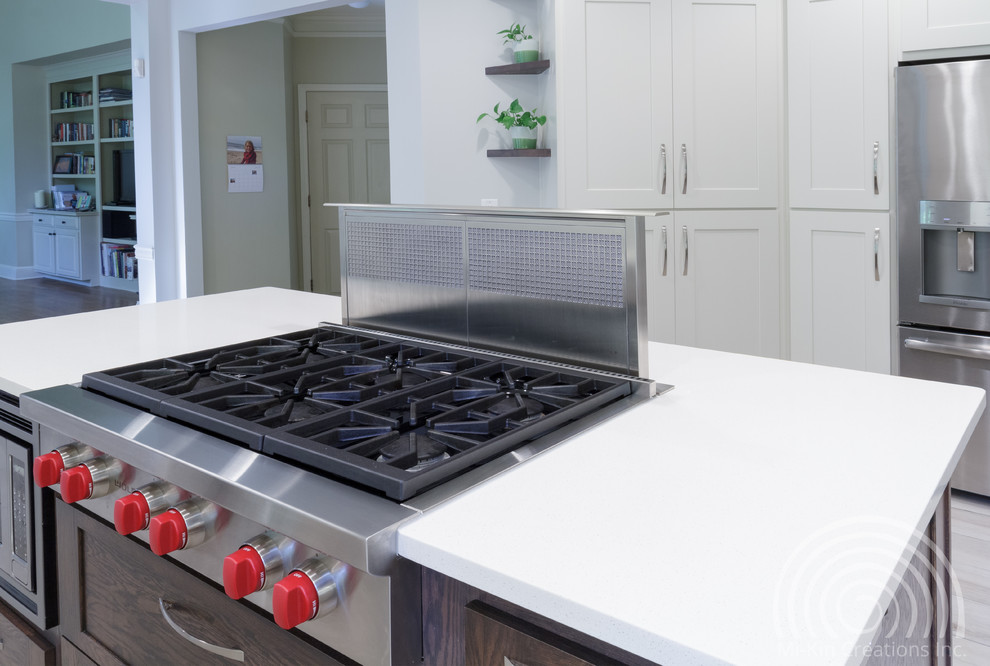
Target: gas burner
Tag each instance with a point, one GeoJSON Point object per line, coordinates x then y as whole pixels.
{"type": "Point", "coordinates": [394, 416]}
{"type": "Point", "coordinates": [406, 448]}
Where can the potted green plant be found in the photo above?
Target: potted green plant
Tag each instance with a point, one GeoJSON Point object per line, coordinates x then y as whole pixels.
{"type": "Point", "coordinates": [524, 46]}
{"type": "Point", "coordinates": [520, 123]}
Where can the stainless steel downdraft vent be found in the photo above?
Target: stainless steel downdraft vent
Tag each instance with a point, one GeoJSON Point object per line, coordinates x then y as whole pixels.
{"type": "Point", "coordinates": [557, 285]}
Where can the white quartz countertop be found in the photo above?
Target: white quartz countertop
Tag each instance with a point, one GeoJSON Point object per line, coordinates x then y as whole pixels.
{"type": "Point", "coordinates": [47, 352]}
{"type": "Point", "coordinates": [757, 514]}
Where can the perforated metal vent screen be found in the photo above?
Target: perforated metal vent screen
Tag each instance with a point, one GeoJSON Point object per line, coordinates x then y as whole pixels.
{"type": "Point", "coordinates": [557, 265]}
{"type": "Point", "coordinates": [417, 253]}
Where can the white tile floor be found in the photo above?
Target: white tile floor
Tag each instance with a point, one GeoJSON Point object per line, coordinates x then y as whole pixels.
{"type": "Point", "coordinates": [971, 563]}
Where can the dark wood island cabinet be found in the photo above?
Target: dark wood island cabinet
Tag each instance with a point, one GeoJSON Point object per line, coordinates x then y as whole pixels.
{"type": "Point", "coordinates": [109, 592]}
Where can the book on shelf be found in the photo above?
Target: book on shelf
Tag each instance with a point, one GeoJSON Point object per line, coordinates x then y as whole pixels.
{"type": "Point", "coordinates": [74, 164]}
{"type": "Point", "coordinates": [115, 94]}
{"type": "Point", "coordinates": [118, 260]}
{"type": "Point", "coordinates": [121, 128]}
{"type": "Point", "coordinates": [72, 132]}
{"type": "Point", "coordinates": [71, 100]}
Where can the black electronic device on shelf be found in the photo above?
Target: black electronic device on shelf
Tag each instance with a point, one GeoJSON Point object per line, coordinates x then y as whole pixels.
{"type": "Point", "coordinates": [124, 191]}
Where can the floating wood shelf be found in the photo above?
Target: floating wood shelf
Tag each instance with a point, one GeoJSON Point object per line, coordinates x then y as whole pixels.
{"type": "Point", "coordinates": [535, 67]}
{"type": "Point", "coordinates": [520, 152]}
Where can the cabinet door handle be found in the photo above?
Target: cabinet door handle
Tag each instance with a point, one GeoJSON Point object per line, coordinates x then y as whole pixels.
{"type": "Point", "coordinates": [663, 234]}
{"type": "Point", "coordinates": [229, 653]}
{"type": "Point", "coordinates": [663, 168]}
{"type": "Point", "coordinates": [684, 164]}
{"type": "Point", "coordinates": [876, 254]}
{"type": "Point", "coordinates": [876, 161]}
{"type": "Point", "coordinates": [684, 237]}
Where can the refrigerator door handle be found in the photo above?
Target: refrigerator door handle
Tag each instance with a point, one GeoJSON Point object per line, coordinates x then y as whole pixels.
{"type": "Point", "coordinates": [966, 351]}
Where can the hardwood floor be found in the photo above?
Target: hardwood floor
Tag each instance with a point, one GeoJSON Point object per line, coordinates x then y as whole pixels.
{"type": "Point", "coordinates": [21, 300]}
{"type": "Point", "coordinates": [971, 563]}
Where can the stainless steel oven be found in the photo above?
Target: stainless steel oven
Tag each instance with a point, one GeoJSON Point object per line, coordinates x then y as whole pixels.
{"type": "Point", "coordinates": [943, 235]}
{"type": "Point", "coordinates": [26, 522]}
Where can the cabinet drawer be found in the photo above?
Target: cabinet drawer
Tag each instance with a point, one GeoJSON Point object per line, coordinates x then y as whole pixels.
{"type": "Point", "coordinates": [66, 223]}
{"type": "Point", "coordinates": [110, 587]}
{"type": "Point", "coordinates": [21, 643]}
{"type": "Point", "coordinates": [44, 221]}
{"type": "Point", "coordinates": [495, 638]}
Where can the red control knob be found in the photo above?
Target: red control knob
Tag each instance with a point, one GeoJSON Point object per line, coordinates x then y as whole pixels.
{"type": "Point", "coordinates": [295, 600]}
{"type": "Point", "coordinates": [48, 469]}
{"type": "Point", "coordinates": [243, 572]}
{"type": "Point", "coordinates": [168, 532]}
{"type": "Point", "coordinates": [76, 484]}
{"type": "Point", "coordinates": [131, 513]}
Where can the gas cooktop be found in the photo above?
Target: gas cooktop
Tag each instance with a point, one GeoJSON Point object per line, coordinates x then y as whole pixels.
{"type": "Point", "coordinates": [390, 414]}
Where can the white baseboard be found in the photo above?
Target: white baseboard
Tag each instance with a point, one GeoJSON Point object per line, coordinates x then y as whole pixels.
{"type": "Point", "coordinates": [18, 272]}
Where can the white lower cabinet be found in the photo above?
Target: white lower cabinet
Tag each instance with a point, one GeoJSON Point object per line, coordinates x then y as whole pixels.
{"type": "Point", "coordinates": [840, 289]}
{"type": "Point", "coordinates": [713, 280]}
{"type": "Point", "coordinates": [66, 245]}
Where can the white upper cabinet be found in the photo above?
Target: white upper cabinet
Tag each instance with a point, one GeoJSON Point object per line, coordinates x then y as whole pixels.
{"type": "Point", "coordinates": [944, 24]}
{"type": "Point", "coordinates": [668, 103]}
{"type": "Point", "coordinates": [725, 73]}
{"type": "Point", "coordinates": [838, 108]}
{"type": "Point", "coordinates": [615, 116]}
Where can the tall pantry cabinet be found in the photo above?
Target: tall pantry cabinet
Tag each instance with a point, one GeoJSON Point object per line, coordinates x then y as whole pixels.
{"type": "Point", "coordinates": [657, 117]}
{"type": "Point", "coordinates": [839, 182]}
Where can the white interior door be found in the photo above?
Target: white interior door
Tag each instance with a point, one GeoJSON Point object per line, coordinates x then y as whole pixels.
{"type": "Point", "coordinates": [347, 140]}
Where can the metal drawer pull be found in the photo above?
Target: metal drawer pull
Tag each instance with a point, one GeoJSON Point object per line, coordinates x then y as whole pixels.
{"type": "Point", "coordinates": [229, 653]}
{"type": "Point", "coordinates": [876, 254]}
{"type": "Point", "coordinates": [684, 163]}
{"type": "Point", "coordinates": [684, 236]}
{"type": "Point", "coordinates": [876, 159]}
{"type": "Point", "coordinates": [663, 232]}
{"type": "Point", "coordinates": [950, 350]}
{"type": "Point", "coordinates": [663, 162]}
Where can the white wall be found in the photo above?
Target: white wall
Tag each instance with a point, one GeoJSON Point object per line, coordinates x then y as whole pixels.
{"type": "Point", "coordinates": [437, 54]}
{"type": "Point", "coordinates": [248, 237]}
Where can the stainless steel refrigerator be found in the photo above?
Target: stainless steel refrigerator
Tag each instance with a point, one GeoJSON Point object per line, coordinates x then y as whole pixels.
{"type": "Point", "coordinates": [943, 235]}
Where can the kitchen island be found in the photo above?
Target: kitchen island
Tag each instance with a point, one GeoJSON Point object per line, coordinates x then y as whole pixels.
{"type": "Point", "coordinates": [712, 524]}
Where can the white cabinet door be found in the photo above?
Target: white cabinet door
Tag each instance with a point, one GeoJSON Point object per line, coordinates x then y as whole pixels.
{"type": "Point", "coordinates": [728, 281]}
{"type": "Point", "coordinates": [43, 248]}
{"type": "Point", "coordinates": [615, 103]}
{"type": "Point", "coordinates": [840, 289]}
{"type": "Point", "coordinates": [67, 254]}
{"type": "Point", "coordinates": [660, 278]}
{"type": "Point", "coordinates": [837, 99]}
{"type": "Point", "coordinates": [725, 103]}
{"type": "Point", "coordinates": [943, 24]}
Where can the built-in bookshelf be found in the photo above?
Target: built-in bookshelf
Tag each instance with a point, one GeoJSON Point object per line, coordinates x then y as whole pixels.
{"type": "Point", "coordinates": [91, 117]}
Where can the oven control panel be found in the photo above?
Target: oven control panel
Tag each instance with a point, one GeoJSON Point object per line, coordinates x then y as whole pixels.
{"type": "Point", "coordinates": [298, 585]}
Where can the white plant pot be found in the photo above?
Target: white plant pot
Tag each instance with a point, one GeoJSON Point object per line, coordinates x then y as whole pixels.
{"type": "Point", "coordinates": [526, 50]}
{"type": "Point", "coordinates": [523, 137]}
